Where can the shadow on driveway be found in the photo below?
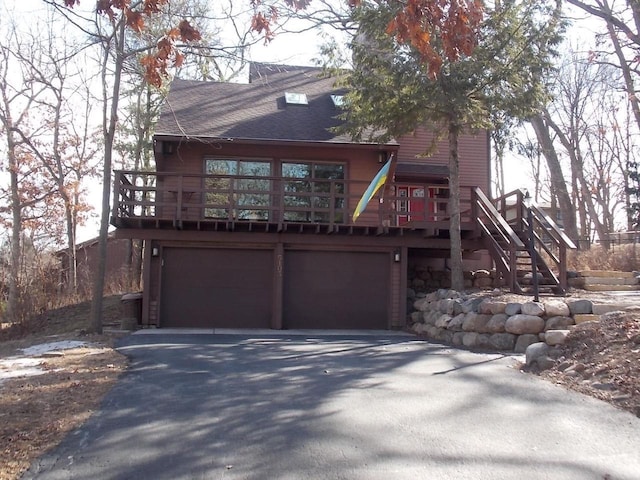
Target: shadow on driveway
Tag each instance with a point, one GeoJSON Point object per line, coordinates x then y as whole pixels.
{"type": "Point", "coordinates": [349, 407]}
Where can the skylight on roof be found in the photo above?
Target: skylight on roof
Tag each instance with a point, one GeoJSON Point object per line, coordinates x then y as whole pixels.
{"type": "Point", "coordinates": [338, 100]}
{"type": "Point", "coordinates": [292, 98]}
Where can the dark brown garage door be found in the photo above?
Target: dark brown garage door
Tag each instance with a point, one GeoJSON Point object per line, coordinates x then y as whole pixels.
{"type": "Point", "coordinates": [216, 288]}
{"type": "Point", "coordinates": [336, 290]}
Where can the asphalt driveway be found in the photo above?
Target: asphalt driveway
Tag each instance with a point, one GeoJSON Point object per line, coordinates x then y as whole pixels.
{"type": "Point", "coordinates": [295, 407]}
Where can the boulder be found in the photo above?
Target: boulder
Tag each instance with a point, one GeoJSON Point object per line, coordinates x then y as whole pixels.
{"type": "Point", "coordinates": [556, 308]}
{"type": "Point", "coordinates": [579, 307]}
{"type": "Point", "coordinates": [555, 337]}
{"type": "Point", "coordinates": [457, 338]}
{"type": "Point", "coordinates": [558, 323]}
{"type": "Point", "coordinates": [418, 328]}
{"type": "Point", "coordinates": [523, 342]}
{"type": "Point", "coordinates": [471, 305]}
{"type": "Point", "coordinates": [496, 323]}
{"type": "Point", "coordinates": [470, 339]}
{"type": "Point", "coordinates": [502, 341]}
{"type": "Point", "coordinates": [422, 304]}
{"type": "Point", "coordinates": [533, 308]}
{"type": "Point", "coordinates": [475, 322]}
{"type": "Point", "coordinates": [537, 355]}
{"type": "Point", "coordinates": [443, 321]}
{"type": "Point", "coordinates": [484, 306]}
{"type": "Point", "coordinates": [513, 308]}
{"type": "Point", "coordinates": [498, 307]}
{"type": "Point", "coordinates": [416, 317]}
{"type": "Point", "coordinates": [456, 322]}
{"type": "Point", "coordinates": [483, 341]}
{"type": "Point", "coordinates": [524, 324]}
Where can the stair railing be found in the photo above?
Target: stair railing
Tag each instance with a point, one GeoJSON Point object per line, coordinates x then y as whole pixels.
{"type": "Point", "coordinates": [550, 239]}
{"type": "Point", "coordinates": [501, 240]}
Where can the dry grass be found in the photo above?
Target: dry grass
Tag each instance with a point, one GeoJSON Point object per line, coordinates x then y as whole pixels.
{"type": "Point", "coordinates": [37, 412]}
{"type": "Point", "coordinates": [623, 258]}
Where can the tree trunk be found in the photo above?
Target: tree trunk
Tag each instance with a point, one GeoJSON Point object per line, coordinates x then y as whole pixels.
{"type": "Point", "coordinates": [11, 313]}
{"type": "Point", "coordinates": [457, 275]}
{"type": "Point", "coordinates": [109, 130]}
{"type": "Point", "coordinates": [557, 177]}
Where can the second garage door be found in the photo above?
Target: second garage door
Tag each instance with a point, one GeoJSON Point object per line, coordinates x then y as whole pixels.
{"type": "Point", "coordinates": [216, 288]}
{"type": "Point", "coordinates": [345, 290]}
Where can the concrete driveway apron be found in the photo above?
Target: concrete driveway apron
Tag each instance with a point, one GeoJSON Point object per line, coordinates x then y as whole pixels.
{"type": "Point", "coordinates": [255, 406]}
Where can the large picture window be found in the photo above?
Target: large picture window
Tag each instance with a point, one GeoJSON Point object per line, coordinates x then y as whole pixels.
{"type": "Point", "coordinates": [313, 191]}
{"type": "Point", "coordinates": [236, 189]}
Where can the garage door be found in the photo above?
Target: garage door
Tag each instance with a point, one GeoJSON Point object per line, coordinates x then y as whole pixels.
{"type": "Point", "coordinates": [336, 290]}
{"type": "Point", "coordinates": [216, 288]}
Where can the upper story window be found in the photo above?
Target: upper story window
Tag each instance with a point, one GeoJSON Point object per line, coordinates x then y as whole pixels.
{"type": "Point", "coordinates": [236, 191]}
{"type": "Point", "coordinates": [314, 191]}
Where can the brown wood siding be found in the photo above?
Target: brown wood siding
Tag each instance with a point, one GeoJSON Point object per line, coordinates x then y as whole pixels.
{"type": "Point", "coordinates": [216, 288]}
{"type": "Point", "coordinates": [336, 290]}
{"type": "Point", "coordinates": [473, 151]}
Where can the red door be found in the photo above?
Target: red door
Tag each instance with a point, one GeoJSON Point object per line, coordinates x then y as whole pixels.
{"type": "Point", "coordinates": [416, 204]}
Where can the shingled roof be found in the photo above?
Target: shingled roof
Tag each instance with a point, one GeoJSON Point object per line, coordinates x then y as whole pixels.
{"type": "Point", "coordinates": [254, 111]}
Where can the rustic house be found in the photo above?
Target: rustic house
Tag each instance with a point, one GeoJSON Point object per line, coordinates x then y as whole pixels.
{"type": "Point", "coordinates": [247, 219]}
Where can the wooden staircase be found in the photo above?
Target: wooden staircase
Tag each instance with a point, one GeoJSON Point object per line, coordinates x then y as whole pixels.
{"type": "Point", "coordinates": [527, 247]}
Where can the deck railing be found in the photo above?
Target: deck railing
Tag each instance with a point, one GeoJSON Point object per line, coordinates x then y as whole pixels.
{"type": "Point", "coordinates": [182, 198]}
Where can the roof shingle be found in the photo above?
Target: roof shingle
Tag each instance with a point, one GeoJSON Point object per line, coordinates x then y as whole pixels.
{"type": "Point", "coordinates": [254, 111]}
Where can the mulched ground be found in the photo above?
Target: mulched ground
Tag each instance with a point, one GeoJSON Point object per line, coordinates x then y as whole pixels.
{"type": "Point", "coordinates": [602, 359]}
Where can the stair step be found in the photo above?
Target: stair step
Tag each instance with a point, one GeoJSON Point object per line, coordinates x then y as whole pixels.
{"type": "Point", "coordinates": [610, 281]}
{"type": "Point", "coordinates": [606, 274]}
{"type": "Point", "coordinates": [612, 288]}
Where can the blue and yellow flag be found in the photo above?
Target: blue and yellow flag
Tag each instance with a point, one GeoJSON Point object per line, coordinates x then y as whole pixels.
{"type": "Point", "coordinates": [377, 182]}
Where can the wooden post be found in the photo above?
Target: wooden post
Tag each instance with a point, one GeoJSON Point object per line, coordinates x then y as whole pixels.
{"type": "Point", "coordinates": [278, 287]}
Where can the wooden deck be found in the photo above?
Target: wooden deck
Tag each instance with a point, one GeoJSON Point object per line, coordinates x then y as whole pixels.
{"type": "Point", "coordinates": [151, 200]}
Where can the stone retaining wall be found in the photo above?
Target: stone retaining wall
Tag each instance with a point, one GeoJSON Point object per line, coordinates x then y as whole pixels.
{"type": "Point", "coordinates": [482, 320]}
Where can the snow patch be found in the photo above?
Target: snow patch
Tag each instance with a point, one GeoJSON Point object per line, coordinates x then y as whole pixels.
{"type": "Point", "coordinates": [26, 365]}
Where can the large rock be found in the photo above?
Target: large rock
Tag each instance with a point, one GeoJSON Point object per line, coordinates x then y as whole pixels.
{"type": "Point", "coordinates": [579, 307]}
{"type": "Point", "coordinates": [457, 338]}
{"type": "Point", "coordinates": [443, 321]}
{"type": "Point", "coordinates": [496, 323]}
{"type": "Point", "coordinates": [502, 341]}
{"type": "Point", "coordinates": [470, 339]}
{"type": "Point", "coordinates": [524, 341]}
{"type": "Point", "coordinates": [416, 317]}
{"type": "Point", "coordinates": [558, 323]}
{"type": "Point", "coordinates": [555, 337]}
{"type": "Point", "coordinates": [533, 308]}
{"type": "Point", "coordinates": [484, 306]}
{"type": "Point", "coordinates": [456, 307]}
{"type": "Point", "coordinates": [422, 304]}
{"type": "Point", "coordinates": [418, 328]}
{"type": "Point", "coordinates": [483, 341]}
{"type": "Point", "coordinates": [556, 308]}
{"type": "Point", "coordinates": [535, 352]}
{"type": "Point", "coordinates": [513, 308]}
{"type": "Point", "coordinates": [471, 305]}
{"type": "Point", "coordinates": [456, 322]}
{"type": "Point", "coordinates": [430, 316]}
{"type": "Point", "coordinates": [498, 307]}
{"type": "Point", "coordinates": [524, 324]}
{"type": "Point", "coordinates": [476, 322]}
